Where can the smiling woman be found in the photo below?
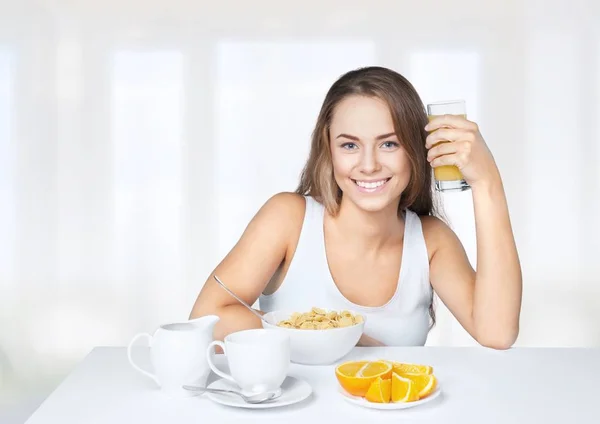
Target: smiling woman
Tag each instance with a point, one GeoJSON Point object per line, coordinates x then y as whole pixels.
{"type": "Point", "coordinates": [368, 185]}
{"type": "Point", "coordinates": [361, 231]}
{"type": "Point", "coordinates": [370, 163]}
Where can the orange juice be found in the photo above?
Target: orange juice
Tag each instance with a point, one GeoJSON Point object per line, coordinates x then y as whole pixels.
{"type": "Point", "coordinates": [447, 172]}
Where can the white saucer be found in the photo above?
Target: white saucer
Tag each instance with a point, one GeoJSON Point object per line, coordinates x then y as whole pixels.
{"type": "Point", "coordinates": [293, 391]}
{"type": "Point", "coordinates": [357, 400]}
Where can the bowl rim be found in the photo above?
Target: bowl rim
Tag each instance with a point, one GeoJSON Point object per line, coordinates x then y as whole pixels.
{"type": "Point", "coordinates": [306, 331]}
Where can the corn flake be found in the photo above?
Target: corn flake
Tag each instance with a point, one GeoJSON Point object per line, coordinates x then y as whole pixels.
{"type": "Point", "coordinates": [320, 319]}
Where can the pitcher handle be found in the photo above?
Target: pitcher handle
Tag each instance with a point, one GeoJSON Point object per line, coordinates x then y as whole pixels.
{"type": "Point", "coordinates": [211, 363]}
{"type": "Point", "coordinates": [133, 364]}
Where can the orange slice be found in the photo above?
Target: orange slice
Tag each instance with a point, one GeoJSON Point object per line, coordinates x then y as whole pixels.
{"type": "Point", "coordinates": [403, 389]}
{"type": "Point", "coordinates": [376, 369]}
{"type": "Point", "coordinates": [357, 376]}
{"type": "Point", "coordinates": [380, 391]}
{"type": "Point", "coordinates": [405, 368]}
{"type": "Point", "coordinates": [425, 384]}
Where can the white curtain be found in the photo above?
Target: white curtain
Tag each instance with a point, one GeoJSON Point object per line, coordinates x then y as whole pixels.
{"type": "Point", "coordinates": [137, 139]}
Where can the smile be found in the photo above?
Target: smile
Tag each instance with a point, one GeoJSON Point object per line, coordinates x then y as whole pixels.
{"type": "Point", "coordinates": [371, 186]}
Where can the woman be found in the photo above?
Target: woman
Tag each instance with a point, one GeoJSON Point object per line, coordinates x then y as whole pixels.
{"type": "Point", "coordinates": [361, 231]}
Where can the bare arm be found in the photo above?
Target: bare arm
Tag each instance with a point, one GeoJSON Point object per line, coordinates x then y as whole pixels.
{"type": "Point", "coordinates": [487, 303]}
{"type": "Point", "coordinates": [249, 266]}
{"type": "Point", "coordinates": [498, 290]}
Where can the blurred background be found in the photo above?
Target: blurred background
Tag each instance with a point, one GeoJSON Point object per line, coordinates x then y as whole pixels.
{"type": "Point", "coordinates": [138, 138]}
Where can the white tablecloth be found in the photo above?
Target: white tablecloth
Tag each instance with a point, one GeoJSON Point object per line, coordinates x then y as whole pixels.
{"type": "Point", "coordinates": [479, 385]}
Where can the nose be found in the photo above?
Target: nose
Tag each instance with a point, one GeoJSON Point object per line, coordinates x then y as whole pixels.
{"type": "Point", "coordinates": [369, 163]}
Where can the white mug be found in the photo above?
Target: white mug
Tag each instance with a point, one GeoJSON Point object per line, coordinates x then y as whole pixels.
{"type": "Point", "coordinates": [258, 359]}
{"type": "Point", "coordinates": [177, 353]}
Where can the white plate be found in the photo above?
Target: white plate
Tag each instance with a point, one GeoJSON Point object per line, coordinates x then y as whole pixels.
{"type": "Point", "coordinates": [293, 391]}
{"type": "Point", "coordinates": [357, 400]}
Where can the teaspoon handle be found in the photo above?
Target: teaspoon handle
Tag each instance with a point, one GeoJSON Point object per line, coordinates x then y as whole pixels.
{"type": "Point", "coordinates": [238, 299]}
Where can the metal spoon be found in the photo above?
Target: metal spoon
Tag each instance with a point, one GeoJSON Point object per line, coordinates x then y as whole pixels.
{"type": "Point", "coordinates": [240, 300]}
{"type": "Point", "coordinates": [258, 398]}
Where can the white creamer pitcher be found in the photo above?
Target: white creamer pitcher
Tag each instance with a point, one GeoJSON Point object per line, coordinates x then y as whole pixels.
{"type": "Point", "coordinates": [178, 354]}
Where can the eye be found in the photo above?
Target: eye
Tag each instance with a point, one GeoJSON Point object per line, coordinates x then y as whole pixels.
{"type": "Point", "coordinates": [349, 146]}
{"type": "Point", "coordinates": [390, 144]}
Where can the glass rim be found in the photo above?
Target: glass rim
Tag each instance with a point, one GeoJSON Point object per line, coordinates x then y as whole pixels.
{"type": "Point", "coordinates": [446, 102]}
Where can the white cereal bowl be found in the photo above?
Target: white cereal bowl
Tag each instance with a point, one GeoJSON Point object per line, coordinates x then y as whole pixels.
{"type": "Point", "coordinates": [316, 347]}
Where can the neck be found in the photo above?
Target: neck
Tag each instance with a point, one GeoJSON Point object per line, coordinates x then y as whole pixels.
{"type": "Point", "coordinates": [373, 230]}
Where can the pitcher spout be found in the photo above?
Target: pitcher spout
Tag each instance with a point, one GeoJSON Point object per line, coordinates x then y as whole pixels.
{"type": "Point", "coordinates": [206, 322]}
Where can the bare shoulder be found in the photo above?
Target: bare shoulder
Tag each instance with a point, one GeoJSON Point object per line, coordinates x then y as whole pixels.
{"type": "Point", "coordinates": [291, 202]}
{"type": "Point", "coordinates": [257, 255]}
{"type": "Point", "coordinates": [285, 208]}
{"type": "Point", "coordinates": [433, 224]}
{"type": "Point", "coordinates": [282, 214]}
{"type": "Point", "coordinates": [437, 234]}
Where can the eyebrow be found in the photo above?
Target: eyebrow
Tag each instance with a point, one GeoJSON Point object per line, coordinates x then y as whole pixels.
{"type": "Point", "coordinates": [379, 137]}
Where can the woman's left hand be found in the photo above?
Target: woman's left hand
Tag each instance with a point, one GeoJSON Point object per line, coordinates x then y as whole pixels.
{"type": "Point", "coordinates": [466, 148]}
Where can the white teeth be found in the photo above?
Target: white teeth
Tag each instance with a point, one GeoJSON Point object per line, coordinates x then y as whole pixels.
{"type": "Point", "coordinates": [373, 184]}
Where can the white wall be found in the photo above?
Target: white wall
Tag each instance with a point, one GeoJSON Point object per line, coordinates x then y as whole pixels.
{"type": "Point", "coordinates": [137, 138]}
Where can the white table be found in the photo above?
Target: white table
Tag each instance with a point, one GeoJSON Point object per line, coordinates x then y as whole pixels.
{"type": "Point", "coordinates": [521, 385]}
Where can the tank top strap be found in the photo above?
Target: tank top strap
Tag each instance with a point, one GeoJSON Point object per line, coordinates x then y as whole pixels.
{"type": "Point", "coordinates": [311, 235]}
{"type": "Point", "coordinates": [312, 227]}
{"type": "Point", "coordinates": [416, 251]}
{"type": "Point", "coordinates": [414, 233]}
{"type": "Point", "coordinates": [313, 208]}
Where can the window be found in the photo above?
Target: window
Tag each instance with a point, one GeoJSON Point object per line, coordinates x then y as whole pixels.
{"type": "Point", "coordinates": [268, 98]}
{"type": "Point", "coordinates": [7, 169]}
{"type": "Point", "coordinates": [147, 134]}
{"type": "Point", "coordinates": [555, 147]}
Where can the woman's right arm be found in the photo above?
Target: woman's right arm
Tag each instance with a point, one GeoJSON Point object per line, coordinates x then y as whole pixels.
{"type": "Point", "coordinates": [248, 267]}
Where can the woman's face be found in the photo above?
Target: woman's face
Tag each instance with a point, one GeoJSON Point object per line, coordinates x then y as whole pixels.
{"type": "Point", "coordinates": [369, 165]}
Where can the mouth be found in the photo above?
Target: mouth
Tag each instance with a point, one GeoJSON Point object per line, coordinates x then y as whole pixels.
{"type": "Point", "coordinates": [371, 186]}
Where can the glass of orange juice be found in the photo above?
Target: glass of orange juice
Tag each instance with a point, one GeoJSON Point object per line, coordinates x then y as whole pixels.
{"type": "Point", "coordinates": [448, 177]}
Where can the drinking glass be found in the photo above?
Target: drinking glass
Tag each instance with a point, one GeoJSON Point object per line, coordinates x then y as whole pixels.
{"type": "Point", "coordinates": [448, 178]}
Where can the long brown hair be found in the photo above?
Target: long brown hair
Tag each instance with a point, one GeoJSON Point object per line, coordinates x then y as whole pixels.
{"type": "Point", "coordinates": [409, 118]}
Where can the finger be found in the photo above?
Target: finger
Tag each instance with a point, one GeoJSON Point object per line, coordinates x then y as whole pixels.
{"type": "Point", "coordinates": [446, 134]}
{"type": "Point", "coordinates": [456, 159]}
{"type": "Point", "coordinates": [450, 121]}
{"type": "Point", "coordinates": [444, 148]}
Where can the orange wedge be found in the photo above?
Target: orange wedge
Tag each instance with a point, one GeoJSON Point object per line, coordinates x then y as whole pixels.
{"type": "Point", "coordinates": [380, 391]}
{"type": "Point", "coordinates": [356, 377]}
{"type": "Point", "coordinates": [425, 384]}
{"type": "Point", "coordinates": [405, 368]}
{"type": "Point", "coordinates": [403, 389]}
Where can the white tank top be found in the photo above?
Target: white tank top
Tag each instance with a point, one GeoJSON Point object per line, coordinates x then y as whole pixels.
{"type": "Point", "coordinates": [403, 321]}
